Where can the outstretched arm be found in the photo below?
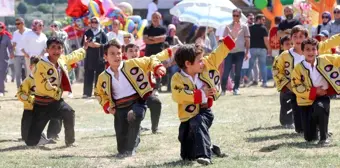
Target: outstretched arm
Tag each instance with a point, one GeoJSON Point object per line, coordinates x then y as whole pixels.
{"type": "Point", "coordinates": [217, 56]}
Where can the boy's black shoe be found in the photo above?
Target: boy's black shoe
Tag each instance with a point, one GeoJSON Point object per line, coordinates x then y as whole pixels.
{"type": "Point", "coordinates": [217, 151]}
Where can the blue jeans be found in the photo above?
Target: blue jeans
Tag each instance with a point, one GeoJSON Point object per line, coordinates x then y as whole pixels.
{"type": "Point", "coordinates": [232, 58]}
{"type": "Point", "coordinates": [171, 70]}
{"type": "Point", "coordinates": [261, 54]}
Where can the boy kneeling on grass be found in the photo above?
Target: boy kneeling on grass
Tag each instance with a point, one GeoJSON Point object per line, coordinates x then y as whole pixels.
{"type": "Point", "coordinates": [122, 90]}
{"type": "Point", "coordinates": [51, 79]}
{"type": "Point", "coordinates": [195, 88]}
{"type": "Point", "coordinates": [313, 81]}
{"type": "Point", "coordinates": [26, 96]}
{"type": "Point", "coordinates": [153, 103]}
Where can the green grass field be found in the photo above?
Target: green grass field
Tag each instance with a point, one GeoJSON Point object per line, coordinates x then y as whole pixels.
{"type": "Point", "coordinates": [246, 127]}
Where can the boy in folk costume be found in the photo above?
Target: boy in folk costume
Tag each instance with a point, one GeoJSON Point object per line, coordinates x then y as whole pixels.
{"type": "Point", "coordinates": [313, 81]}
{"type": "Point", "coordinates": [286, 116]}
{"type": "Point", "coordinates": [25, 94]}
{"type": "Point", "coordinates": [51, 79]}
{"type": "Point", "coordinates": [287, 60]}
{"type": "Point", "coordinates": [122, 90]}
{"type": "Point", "coordinates": [195, 88]}
{"type": "Point", "coordinates": [153, 103]}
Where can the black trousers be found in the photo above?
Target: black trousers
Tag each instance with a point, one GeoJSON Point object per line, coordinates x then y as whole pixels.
{"type": "Point", "coordinates": [155, 106]}
{"type": "Point", "coordinates": [54, 128]}
{"type": "Point", "coordinates": [194, 136]}
{"type": "Point", "coordinates": [316, 115]}
{"type": "Point", "coordinates": [286, 111]}
{"type": "Point", "coordinates": [297, 115]}
{"type": "Point", "coordinates": [26, 121]}
{"type": "Point", "coordinates": [43, 113]}
{"type": "Point", "coordinates": [90, 76]}
{"type": "Point", "coordinates": [127, 133]}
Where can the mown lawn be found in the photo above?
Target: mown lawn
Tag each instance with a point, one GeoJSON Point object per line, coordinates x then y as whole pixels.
{"type": "Point", "coordinates": [246, 127]}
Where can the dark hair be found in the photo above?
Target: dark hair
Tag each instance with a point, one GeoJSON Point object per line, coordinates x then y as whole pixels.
{"type": "Point", "coordinates": [166, 45]}
{"type": "Point", "coordinates": [237, 10]}
{"type": "Point", "coordinates": [299, 28]}
{"type": "Point", "coordinates": [111, 43]}
{"type": "Point", "coordinates": [310, 41]}
{"type": "Point", "coordinates": [187, 53]}
{"type": "Point", "coordinates": [284, 39]}
{"type": "Point", "coordinates": [130, 45]}
{"type": "Point", "coordinates": [34, 60]}
{"type": "Point", "coordinates": [20, 19]}
{"type": "Point", "coordinates": [200, 33]}
{"type": "Point", "coordinates": [54, 40]}
{"type": "Point", "coordinates": [73, 46]}
{"type": "Point", "coordinates": [277, 20]}
{"type": "Point", "coordinates": [259, 17]}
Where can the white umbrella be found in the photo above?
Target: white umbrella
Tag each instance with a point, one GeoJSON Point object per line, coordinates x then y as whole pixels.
{"type": "Point", "coordinates": [212, 13]}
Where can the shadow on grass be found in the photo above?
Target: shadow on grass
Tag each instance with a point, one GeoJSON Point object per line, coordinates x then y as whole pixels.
{"type": "Point", "coordinates": [301, 145]}
{"type": "Point", "coordinates": [261, 95]}
{"type": "Point", "coordinates": [266, 128]}
{"type": "Point", "coordinates": [179, 163]}
{"type": "Point", "coordinates": [9, 99]}
{"type": "Point", "coordinates": [24, 147]}
{"type": "Point", "coordinates": [76, 156]}
{"type": "Point", "coordinates": [273, 137]}
{"type": "Point", "coordinates": [10, 140]}
{"type": "Point", "coordinates": [98, 137]}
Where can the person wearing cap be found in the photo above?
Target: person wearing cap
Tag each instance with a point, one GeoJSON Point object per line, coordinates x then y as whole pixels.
{"type": "Point", "coordinates": [327, 45]}
{"type": "Point", "coordinates": [325, 25]}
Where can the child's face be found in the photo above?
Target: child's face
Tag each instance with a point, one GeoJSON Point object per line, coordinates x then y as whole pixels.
{"type": "Point", "coordinates": [197, 66]}
{"type": "Point", "coordinates": [113, 56]}
{"type": "Point", "coordinates": [32, 67]}
{"type": "Point", "coordinates": [55, 50]}
{"type": "Point", "coordinates": [132, 52]}
{"type": "Point", "coordinates": [323, 38]}
{"type": "Point", "coordinates": [127, 40]}
{"type": "Point", "coordinates": [310, 52]}
{"type": "Point", "coordinates": [298, 38]}
{"type": "Point", "coordinates": [287, 45]}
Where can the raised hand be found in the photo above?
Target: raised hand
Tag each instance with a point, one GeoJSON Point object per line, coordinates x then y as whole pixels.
{"type": "Point", "coordinates": [161, 71]}
{"type": "Point", "coordinates": [209, 92]}
{"type": "Point", "coordinates": [112, 110]}
{"type": "Point", "coordinates": [320, 92]}
{"type": "Point", "coordinates": [86, 42]}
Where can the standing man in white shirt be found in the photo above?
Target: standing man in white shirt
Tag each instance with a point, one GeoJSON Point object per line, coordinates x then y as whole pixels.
{"type": "Point", "coordinates": [18, 44]}
{"type": "Point", "coordinates": [152, 8]}
{"type": "Point", "coordinates": [34, 42]}
{"type": "Point", "coordinates": [116, 33]}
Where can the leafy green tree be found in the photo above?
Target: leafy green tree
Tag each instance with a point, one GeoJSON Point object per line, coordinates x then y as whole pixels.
{"type": "Point", "coordinates": [22, 8]}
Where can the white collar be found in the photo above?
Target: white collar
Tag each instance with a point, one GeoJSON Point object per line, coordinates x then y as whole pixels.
{"type": "Point", "coordinates": [45, 58]}
{"type": "Point", "coordinates": [291, 51]}
{"type": "Point", "coordinates": [190, 77]}
{"type": "Point", "coordinates": [309, 65]}
{"type": "Point", "coordinates": [108, 69]}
